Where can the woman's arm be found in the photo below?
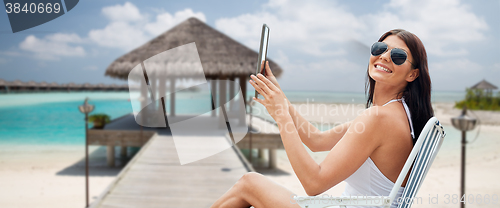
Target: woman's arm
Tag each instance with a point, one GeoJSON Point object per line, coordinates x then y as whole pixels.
{"type": "Point", "coordinates": [357, 144]}
{"type": "Point", "coordinates": [311, 136]}
{"type": "Point", "coordinates": [362, 137]}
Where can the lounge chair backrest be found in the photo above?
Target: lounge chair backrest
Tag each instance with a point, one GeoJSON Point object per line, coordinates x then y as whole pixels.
{"type": "Point", "coordinates": [421, 157]}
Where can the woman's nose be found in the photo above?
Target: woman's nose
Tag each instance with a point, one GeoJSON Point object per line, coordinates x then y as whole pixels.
{"type": "Point", "coordinates": [386, 55]}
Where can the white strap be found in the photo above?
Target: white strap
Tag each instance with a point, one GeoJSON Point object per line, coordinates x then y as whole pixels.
{"type": "Point", "coordinates": [407, 113]}
{"type": "Point", "coordinates": [409, 118]}
{"type": "Point", "coordinates": [390, 101]}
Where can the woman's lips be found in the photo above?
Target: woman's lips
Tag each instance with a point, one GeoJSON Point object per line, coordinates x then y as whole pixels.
{"type": "Point", "coordinates": [383, 68]}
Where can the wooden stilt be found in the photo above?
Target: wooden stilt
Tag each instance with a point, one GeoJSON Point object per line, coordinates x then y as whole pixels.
{"type": "Point", "coordinates": [123, 151]}
{"type": "Point", "coordinates": [111, 155]}
{"type": "Point", "coordinates": [272, 159]}
{"type": "Point", "coordinates": [261, 153]}
{"type": "Point", "coordinates": [222, 101]}
{"type": "Point", "coordinates": [213, 89]}
{"type": "Point", "coordinates": [172, 97]}
{"type": "Point", "coordinates": [231, 92]}
{"type": "Point", "coordinates": [243, 86]}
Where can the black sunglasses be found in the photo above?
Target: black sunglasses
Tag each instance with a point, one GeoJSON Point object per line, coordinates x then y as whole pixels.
{"type": "Point", "coordinates": [398, 55]}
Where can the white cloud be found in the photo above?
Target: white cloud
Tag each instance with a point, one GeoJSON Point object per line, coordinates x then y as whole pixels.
{"type": "Point", "coordinates": [126, 12]}
{"type": "Point", "coordinates": [311, 26]}
{"type": "Point", "coordinates": [121, 35]}
{"type": "Point", "coordinates": [165, 21]}
{"type": "Point", "coordinates": [320, 34]}
{"type": "Point", "coordinates": [53, 46]}
{"type": "Point", "coordinates": [307, 26]}
{"type": "Point", "coordinates": [439, 24]}
{"type": "Point", "coordinates": [456, 73]}
{"type": "Point", "coordinates": [128, 28]}
{"type": "Point", "coordinates": [455, 66]}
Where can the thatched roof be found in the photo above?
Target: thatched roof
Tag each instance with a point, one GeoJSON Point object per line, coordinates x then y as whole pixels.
{"type": "Point", "coordinates": [484, 85]}
{"type": "Point", "coordinates": [87, 85]}
{"type": "Point", "coordinates": [17, 83]}
{"type": "Point", "coordinates": [220, 55]}
{"type": "Point", "coordinates": [72, 85]}
{"type": "Point", "coordinates": [43, 84]}
{"type": "Point", "coordinates": [32, 84]}
{"type": "Point", "coordinates": [54, 84]}
{"type": "Point", "coordinates": [3, 82]}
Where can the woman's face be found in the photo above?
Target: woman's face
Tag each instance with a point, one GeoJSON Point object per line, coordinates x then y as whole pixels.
{"type": "Point", "coordinates": [396, 75]}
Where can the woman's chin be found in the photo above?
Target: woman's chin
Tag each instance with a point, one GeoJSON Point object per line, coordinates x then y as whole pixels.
{"type": "Point", "coordinates": [378, 77]}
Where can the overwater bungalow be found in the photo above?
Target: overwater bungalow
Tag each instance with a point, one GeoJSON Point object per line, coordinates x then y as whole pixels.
{"type": "Point", "coordinates": [32, 86]}
{"type": "Point", "coordinates": [17, 85]}
{"type": "Point", "coordinates": [3, 86]}
{"type": "Point", "coordinates": [87, 86]}
{"type": "Point", "coordinates": [112, 87]}
{"type": "Point", "coordinates": [55, 86]}
{"type": "Point", "coordinates": [43, 86]}
{"type": "Point", "coordinates": [100, 87]}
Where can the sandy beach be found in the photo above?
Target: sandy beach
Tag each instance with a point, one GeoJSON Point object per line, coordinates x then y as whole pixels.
{"type": "Point", "coordinates": [53, 176]}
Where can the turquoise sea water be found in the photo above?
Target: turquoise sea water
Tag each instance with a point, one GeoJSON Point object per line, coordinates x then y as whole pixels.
{"type": "Point", "coordinates": [53, 118]}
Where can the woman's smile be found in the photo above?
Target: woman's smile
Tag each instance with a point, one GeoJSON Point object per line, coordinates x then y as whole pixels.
{"type": "Point", "coordinates": [382, 68]}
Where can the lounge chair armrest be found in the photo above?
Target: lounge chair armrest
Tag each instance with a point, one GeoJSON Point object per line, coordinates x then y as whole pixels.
{"type": "Point", "coordinates": [329, 201]}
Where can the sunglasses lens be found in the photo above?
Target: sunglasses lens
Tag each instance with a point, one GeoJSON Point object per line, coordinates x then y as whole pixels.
{"type": "Point", "coordinates": [378, 48]}
{"type": "Point", "coordinates": [398, 56]}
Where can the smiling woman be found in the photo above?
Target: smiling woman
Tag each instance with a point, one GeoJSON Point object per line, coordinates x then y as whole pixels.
{"type": "Point", "coordinates": [416, 86]}
{"type": "Point", "coordinates": [370, 158]}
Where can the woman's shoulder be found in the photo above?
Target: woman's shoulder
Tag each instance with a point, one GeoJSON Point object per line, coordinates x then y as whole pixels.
{"type": "Point", "coordinates": [386, 119]}
{"type": "Point", "coordinates": [377, 113]}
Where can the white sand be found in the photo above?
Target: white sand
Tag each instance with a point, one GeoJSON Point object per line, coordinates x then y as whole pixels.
{"type": "Point", "coordinates": [50, 176]}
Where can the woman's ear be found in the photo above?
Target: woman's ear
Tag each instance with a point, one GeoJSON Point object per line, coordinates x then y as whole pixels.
{"type": "Point", "coordinates": [413, 75]}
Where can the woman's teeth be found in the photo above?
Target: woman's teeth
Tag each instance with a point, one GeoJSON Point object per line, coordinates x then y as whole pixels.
{"type": "Point", "coordinates": [382, 68]}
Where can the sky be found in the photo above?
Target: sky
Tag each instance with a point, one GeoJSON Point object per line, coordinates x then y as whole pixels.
{"type": "Point", "coordinates": [321, 45]}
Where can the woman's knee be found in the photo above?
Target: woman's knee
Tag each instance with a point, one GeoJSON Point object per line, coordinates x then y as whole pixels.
{"type": "Point", "coordinates": [251, 177]}
{"type": "Point", "coordinates": [249, 180]}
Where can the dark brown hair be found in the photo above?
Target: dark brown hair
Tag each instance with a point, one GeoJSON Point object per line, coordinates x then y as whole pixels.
{"type": "Point", "coordinates": [417, 94]}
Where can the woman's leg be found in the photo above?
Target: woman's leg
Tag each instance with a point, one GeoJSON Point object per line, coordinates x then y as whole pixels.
{"type": "Point", "coordinates": [254, 189]}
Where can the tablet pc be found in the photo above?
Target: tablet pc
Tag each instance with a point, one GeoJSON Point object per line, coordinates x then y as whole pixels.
{"type": "Point", "coordinates": [264, 39]}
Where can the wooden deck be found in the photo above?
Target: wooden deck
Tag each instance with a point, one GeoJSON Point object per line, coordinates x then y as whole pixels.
{"type": "Point", "coordinates": [125, 132]}
{"type": "Point", "coordinates": [155, 178]}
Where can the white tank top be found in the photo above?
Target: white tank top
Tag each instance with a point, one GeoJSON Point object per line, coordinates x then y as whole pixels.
{"type": "Point", "coordinates": [368, 180]}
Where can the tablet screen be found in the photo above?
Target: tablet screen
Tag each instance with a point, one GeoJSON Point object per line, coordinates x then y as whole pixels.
{"type": "Point", "coordinates": [264, 38]}
{"type": "Point", "coordinates": [263, 50]}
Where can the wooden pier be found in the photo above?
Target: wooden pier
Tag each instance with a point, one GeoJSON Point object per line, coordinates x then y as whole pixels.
{"type": "Point", "coordinates": [154, 176]}
{"type": "Point", "coordinates": [124, 132]}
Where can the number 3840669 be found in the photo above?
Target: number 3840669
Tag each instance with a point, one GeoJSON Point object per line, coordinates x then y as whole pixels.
{"type": "Point", "coordinates": [32, 8]}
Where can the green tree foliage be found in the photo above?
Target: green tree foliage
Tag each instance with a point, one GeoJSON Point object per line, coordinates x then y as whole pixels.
{"type": "Point", "coordinates": [100, 116]}
{"type": "Point", "coordinates": [477, 99]}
